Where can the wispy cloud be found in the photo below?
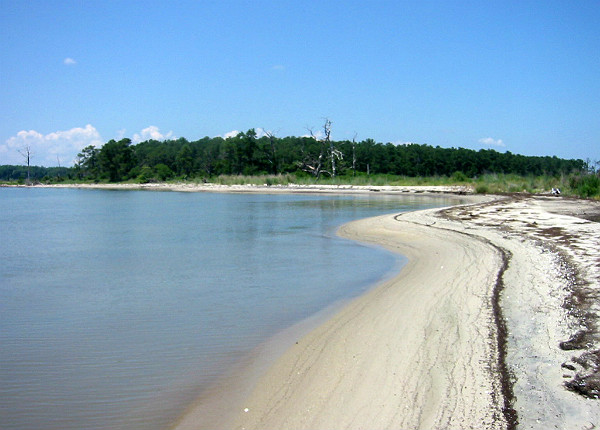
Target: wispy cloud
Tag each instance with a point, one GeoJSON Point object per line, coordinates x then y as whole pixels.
{"type": "Point", "coordinates": [318, 135]}
{"type": "Point", "coordinates": [260, 132]}
{"type": "Point", "coordinates": [490, 141]}
{"type": "Point", "coordinates": [152, 132]}
{"type": "Point", "coordinates": [69, 61]}
{"type": "Point", "coordinates": [121, 133]}
{"type": "Point", "coordinates": [278, 67]}
{"type": "Point", "coordinates": [232, 133]}
{"type": "Point", "coordinates": [52, 148]}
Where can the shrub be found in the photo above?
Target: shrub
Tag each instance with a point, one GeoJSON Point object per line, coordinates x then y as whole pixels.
{"type": "Point", "coordinates": [163, 172]}
{"type": "Point", "coordinates": [482, 189]}
{"type": "Point", "coordinates": [459, 177]}
{"type": "Point", "coordinates": [589, 186]}
{"type": "Point", "coordinates": [145, 175]}
{"type": "Point", "coordinates": [585, 186]}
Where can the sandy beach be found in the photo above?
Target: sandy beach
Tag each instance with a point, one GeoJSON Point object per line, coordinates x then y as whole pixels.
{"type": "Point", "coordinates": [268, 189]}
{"type": "Point", "coordinates": [492, 324]}
{"type": "Point", "coordinates": [550, 302]}
{"type": "Point", "coordinates": [477, 330]}
{"type": "Point", "coordinates": [423, 338]}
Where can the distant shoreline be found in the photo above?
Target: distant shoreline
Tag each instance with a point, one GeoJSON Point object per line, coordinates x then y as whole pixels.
{"type": "Point", "coordinates": [266, 189]}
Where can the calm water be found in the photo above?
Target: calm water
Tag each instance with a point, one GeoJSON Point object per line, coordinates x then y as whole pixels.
{"type": "Point", "coordinates": [116, 307]}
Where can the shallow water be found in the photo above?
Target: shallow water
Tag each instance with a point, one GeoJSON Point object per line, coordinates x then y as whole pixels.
{"type": "Point", "coordinates": [115, 302]}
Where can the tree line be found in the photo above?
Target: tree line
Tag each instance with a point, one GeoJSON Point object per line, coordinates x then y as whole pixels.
{"type": "Point", "coordinates": [315, 155]}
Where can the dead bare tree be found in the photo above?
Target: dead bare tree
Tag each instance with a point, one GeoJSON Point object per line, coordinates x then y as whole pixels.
{"type": "Point", "coordinates": [26, 153]}
{"type": "Point", "coordinates": [328, 142]}
{"type": "Point", "coordinates": [58, 171]}
{"type": "Point", "coordinates": [310, 164]}
{"type": "Point", "coordinates": [273, 154]}
{"type": "Point", "coordinates": [334, 153]}
{"type": "Point", "coordinates": [354, 155]}
{"type": "Point", "coordinates": [327, 149]}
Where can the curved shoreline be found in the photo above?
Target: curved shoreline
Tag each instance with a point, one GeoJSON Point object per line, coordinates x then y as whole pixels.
{"type": "Point", "coordinates": [501, 338]}
{"type": "Point", "coordinates": [554, 251]}
{"type": "Point", "coordinates": [425, 348]}
{"type": "Point", "coordinates": [361, 370]}
{"type": "Point", "coordinates": [547, 294]}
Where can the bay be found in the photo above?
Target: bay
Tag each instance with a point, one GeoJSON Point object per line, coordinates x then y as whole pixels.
{"type": "Point", "coordinates": [117, 307]}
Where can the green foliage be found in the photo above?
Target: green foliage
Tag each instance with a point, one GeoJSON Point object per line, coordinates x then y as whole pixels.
{"type": "Point", "coordinates": [163, 172]}
{"type": "Point", "coordinates": [247, 158]}
{"type": "Point", "coordinates": [145, 175]}
{"type": "Point", "coordinates": [87, 163]}
{"type": "Point", "coordinates": [459, 177]}
{"type": "Point", "coordinates": [37, 173]}
{"type": "Point", "coordinates": [116, 159]}
{"type": "Point", "coordinates": [585, 185]}
{"type": "Point", "coordinates": [482, 189]}
{"type": "Point", "coordinates": [267, 180]}
{"type": "Point", "coordinates": [185, 161]}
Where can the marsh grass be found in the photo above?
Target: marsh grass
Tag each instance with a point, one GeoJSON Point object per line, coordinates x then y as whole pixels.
{"type": "Point", "coordinates": [571, 185]}
{"type": "Point", "coordinates": [284, 179]}
{"type": "Point", "coordinates": [577, 184]}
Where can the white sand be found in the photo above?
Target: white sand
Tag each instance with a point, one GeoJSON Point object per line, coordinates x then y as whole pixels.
{"type": "Point", "coordinates": [421, 351]}
{"type": "Point", "coordinates": [552, 253]}
{"type": "Point", "coordinates": [265, 189]}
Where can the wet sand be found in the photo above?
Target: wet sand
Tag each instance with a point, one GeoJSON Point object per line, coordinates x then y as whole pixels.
{"type": "Point", "coordinates": [418, 351]}
{"type": "Point", "coordinates": [470, 334]}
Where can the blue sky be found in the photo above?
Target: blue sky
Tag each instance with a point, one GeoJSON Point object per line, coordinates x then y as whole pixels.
{"type": "Point", "coordinates": [519, 76]}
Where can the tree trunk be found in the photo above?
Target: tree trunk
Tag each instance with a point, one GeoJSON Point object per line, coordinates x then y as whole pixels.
{"type": "Point", "coordinates": [26, 153]}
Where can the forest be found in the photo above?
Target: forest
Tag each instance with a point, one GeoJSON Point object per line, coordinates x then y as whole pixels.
{"type": "Point", "coordinates": [246, 154]}
{"type": "Point", "coordinates": [315, 157]}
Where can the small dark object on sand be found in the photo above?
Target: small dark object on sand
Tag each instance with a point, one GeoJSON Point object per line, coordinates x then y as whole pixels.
{"type": "Point", "coordinates": [587, 382]}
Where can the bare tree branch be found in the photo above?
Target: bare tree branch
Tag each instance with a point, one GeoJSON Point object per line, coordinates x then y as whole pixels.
{"type": "Point", "coordinates": [273, 154]}
{"type": "Point", "coordinates": [26, 153]}
{"type": "Point", "coordinates": [354, 154]}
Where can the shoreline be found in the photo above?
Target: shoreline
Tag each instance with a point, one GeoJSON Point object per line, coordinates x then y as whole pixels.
{"type": "Point", "coordinates": [267, 189]}
{"type": "Point", "coordinates": [554, 251]}
{"type": "Point", "coordinates": [424, 349]}
{"type": "Point", "coordinates": [360, 369]}
{"type": "Point", "coordinates": [531, 263]}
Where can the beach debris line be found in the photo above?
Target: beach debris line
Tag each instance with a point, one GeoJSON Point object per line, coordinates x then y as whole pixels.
{"type": "Point", "coordinates": [587, 380]}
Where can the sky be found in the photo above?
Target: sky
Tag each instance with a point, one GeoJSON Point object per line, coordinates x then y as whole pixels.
{"type": "Point", "coordinates": [518, 76]}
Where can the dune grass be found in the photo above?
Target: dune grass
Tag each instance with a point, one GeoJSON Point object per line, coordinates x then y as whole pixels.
{"type": "Point", "coordinates": [586, 186]}
{"type": "Point", "coordinates": [576, 185]}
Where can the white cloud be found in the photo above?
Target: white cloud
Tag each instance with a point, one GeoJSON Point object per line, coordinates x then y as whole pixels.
{"type": "Point", "coordinates": [121, 133]}
{"type": "Point", "coordinates": [69, 61]}
{"type": "Point", "coordinates": [151, 132]}
{"type": "Point", "coordinates": [49, 149]}
{"type": "Point", "coordinates": [279, 67]}
{"type": "Point", "coordinates": [491, 141]}
{"type": "Point", "coordinates": [318, 135]}
{"type": "Point", "coordinates": [260, 132]}
{"type": "Point", "coordinates": [232, 133]}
